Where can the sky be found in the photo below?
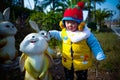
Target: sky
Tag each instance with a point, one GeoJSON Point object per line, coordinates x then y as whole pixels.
{"type": "Point", "coordinates": [29, 4]}
{"type": "Point", "coordinates": [109, 5]}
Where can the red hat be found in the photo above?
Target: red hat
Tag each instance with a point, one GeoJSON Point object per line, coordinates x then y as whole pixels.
{"type": "Point", "coordinates": [74, 13]}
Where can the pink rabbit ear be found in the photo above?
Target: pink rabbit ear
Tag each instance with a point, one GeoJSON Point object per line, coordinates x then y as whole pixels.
{"type": "Point", "coordinates": [80, 4]}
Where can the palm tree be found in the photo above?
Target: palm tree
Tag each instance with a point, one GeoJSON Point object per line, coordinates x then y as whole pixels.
{"type": "Point", "coordinates": [101, 15]}
{"type": "Point", "coordinates": [53, 4]}
{"type": "Point", "coordinates": [118, 7]}
{"type": "Point", "coordinates": [65, 4]}
{"type": "Point", "coordinates": [59, 5]}
{"type": "Point", "coordinates": [62, 5]}
{"type": "Point", "coordinates": [74, 2]}
{"type": "Point", "coordinates": [94, 6]}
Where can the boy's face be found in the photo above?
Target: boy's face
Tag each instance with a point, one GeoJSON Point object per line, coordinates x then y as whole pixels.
{"type": "Point", "coordinates": [71, 25]}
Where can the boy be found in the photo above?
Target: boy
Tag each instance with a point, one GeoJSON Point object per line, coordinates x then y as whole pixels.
{"type": "Point", "coordinates": [78, 44]}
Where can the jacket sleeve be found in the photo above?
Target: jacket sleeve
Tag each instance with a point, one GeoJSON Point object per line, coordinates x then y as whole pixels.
{"type": "Point", "coordinates": [55, 34]}
{"type": "Point", "coordinates": [95, 47]}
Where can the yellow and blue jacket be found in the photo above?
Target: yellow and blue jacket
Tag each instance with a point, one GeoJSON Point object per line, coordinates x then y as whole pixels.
{"type": "Point", "coordinates": [79, 54]}
{"type": "Point", "coordinates": [76, 54]}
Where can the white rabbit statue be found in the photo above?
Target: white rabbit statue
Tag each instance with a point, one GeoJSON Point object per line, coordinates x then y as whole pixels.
{"type": "Point", "coordinates": [46, 35]}
{"type": "Point", "coordinates": [8, 51]}
{"type": "Point", "coordinates": [34, 58]}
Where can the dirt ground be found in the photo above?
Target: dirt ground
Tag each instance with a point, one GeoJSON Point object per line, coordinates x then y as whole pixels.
{"type": "Point", "coordinates": [14, 73]}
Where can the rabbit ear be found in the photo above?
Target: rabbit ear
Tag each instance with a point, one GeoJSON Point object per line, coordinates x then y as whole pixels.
{"type": "Point", "coordinates": [34, 25]}
{"type": "Point", "coordinates": [6, 14]}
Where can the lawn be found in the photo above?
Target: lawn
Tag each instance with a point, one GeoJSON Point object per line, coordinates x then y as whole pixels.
{"type": "Point", "coordinates": [109, 68]}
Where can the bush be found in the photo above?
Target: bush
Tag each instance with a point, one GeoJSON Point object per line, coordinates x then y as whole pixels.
{"type": "Point", "coordinates": [47, 21]}
{"type": "Point", "coordinates": [92, 26]}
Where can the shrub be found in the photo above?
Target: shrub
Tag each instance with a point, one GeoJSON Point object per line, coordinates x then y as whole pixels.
{"type": "Point", "coordinates": [47, 21]}
{"type": "Point", "coordinates": [92, 26]}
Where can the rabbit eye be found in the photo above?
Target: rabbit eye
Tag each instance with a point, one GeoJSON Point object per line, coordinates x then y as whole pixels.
{"type": "Point", "coordinates": [7, 26]}
{"type": "Point", "coordinates": [33, 36]}
{"type": "Point", "coordinates": [42, 34]}
{"type": "Point", "coordinates": [50, 36]}
{"type": "Point", "coordinates": [12, 26]}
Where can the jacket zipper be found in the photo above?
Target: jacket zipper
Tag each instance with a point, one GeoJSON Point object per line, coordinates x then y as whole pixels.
{"type": "Point", "coordinates": [71, 50]}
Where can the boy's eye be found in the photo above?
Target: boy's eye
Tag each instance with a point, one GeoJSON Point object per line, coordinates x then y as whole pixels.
{"type": "Point", "coordinates": [72, 22]}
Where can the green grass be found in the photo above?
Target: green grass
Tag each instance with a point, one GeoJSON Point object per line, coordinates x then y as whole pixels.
{"type": "Point", "coordinates": [109, 41]}
{"type": "Point", "coordinates": [111, 46]}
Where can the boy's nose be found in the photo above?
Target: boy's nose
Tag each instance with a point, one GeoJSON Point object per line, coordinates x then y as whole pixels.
{"type": "Point", "coordinates": [70, 24]}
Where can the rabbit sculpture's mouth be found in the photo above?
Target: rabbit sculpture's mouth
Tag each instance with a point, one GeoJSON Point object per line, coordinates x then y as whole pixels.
{"type": "Point", "coordinates": [33, 41]}
{"type": "Point", "coordinates": [45, 36]}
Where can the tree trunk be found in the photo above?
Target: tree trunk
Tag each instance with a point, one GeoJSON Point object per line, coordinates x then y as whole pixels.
{"type": "Point", "coordinates": [94, 9]}
{"type": "Point", "coordinates": [89, 12]}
